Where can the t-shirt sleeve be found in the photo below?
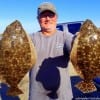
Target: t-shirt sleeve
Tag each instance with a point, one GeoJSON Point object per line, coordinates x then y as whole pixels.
{"type": "Point", "coordinates": [68, 41]}
{"type": "Point", "coordinates": [33, 37]}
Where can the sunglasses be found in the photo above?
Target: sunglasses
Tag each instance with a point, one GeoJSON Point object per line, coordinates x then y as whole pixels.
{"type": "Point", "coordinates": [47, 14]}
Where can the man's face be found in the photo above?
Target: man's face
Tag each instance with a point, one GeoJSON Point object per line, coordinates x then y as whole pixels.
{"type": "Point", "coordinates": [47, 21]}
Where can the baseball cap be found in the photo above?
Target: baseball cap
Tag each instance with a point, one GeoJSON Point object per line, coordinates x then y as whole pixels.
{"type": "Point", "coordinates": [46, 6]}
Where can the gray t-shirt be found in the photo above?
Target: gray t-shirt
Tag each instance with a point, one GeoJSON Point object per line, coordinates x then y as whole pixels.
{"type": "Point", "coordinates": [51, 66]}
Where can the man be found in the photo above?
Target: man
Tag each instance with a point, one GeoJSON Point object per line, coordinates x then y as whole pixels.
{"type": "Point", "coordinates": [49, 78]}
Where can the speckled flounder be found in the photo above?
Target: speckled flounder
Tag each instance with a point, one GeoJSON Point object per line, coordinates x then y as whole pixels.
{"type": "Point", "coordinates": [85, 55]}
{"type": "Point", "coordinates": [17, 56]}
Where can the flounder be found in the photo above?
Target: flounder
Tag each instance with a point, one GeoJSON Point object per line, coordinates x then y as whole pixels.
{"type": "Point", "coordinates": [17, 56]}
{"type": "Point", "coordinates": [85, 55]}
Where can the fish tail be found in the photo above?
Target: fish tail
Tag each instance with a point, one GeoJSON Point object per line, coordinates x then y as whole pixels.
{"type": "Point", "coordinates": [14, 91]}
{"type": "Point", "coordinates": [86, 86]}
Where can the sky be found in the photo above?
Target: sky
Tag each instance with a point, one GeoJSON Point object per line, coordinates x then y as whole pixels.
{"type": "Point", "coordinates": [68, 11]}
